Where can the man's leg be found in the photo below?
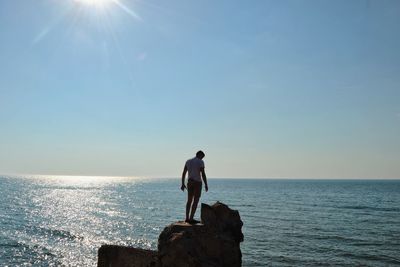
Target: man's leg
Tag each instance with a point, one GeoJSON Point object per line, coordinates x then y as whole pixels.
{"type": "Point", "coordinates": [189, 201]}
{"type": "Point", "coordinates": [196, 197]}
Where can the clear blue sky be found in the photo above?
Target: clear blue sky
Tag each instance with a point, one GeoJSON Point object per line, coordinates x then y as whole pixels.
{"type": "Point", "coordinates": [296, 88]}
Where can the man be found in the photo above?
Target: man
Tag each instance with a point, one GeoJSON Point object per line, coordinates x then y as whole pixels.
{"type": "Point", "coordinates": [195, 168]}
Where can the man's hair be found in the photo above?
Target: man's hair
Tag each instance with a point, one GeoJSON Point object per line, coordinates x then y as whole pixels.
{"type": "Point", "coordinates": [200, 154]}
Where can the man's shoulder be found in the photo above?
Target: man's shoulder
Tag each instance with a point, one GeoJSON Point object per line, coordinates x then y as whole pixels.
{"type": "Point", "coordinates": [195, 160]}
{"type": "Point", "coordinates": [200, 162]}
{"type": "Point", "coordinates": [190, 160]}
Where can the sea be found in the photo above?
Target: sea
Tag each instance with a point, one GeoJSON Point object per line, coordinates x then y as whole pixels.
{"type": "Point", "coordinates": [63, 220]}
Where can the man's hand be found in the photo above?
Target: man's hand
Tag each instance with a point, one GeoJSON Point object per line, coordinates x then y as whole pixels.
{"type": "Point", "coordinates": [206, 188]}
{"type": "Point", "coordinates": [185, 170]}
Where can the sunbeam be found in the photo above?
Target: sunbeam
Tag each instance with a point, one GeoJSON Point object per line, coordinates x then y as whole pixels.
{"type": "Point", "coordinates": [127, 9]}
{"type": "Point", "coordinates": [41, 35]}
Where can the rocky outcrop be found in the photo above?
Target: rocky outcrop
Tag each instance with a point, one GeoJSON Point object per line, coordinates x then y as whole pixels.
{"type": "Point", "coordinates": [215, 242]}
{"type": "Point", "coordinates": [120, 256]}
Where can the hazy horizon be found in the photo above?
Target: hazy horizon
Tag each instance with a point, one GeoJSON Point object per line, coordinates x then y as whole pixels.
{"type": "Point", "coordinates": [16, 175]}
{"type": "Point", "coordinates": [281, 89]}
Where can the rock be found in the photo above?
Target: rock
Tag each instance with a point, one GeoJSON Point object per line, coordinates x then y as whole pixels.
{"type": "Point", "coordinates": [109, 255]}
{"type": "Point", "coordinates": [213, 243]}
{"type": "Point", "coordinates": [225, 220]}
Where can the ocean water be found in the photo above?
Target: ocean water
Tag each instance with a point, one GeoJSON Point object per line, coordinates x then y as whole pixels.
{"type": "Point", "coordinates": [62, 221]}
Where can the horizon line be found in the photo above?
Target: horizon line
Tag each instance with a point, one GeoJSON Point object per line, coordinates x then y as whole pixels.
{"type": "Point", "coordinates": [212, 177]}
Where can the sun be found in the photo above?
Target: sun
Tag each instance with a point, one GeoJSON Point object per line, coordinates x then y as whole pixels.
{"type": "Point", "coordinates": [105, 5]}
{"type": "Point", "coordinates": [95, 3]}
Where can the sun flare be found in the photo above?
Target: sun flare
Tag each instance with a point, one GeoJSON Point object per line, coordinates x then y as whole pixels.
{"type": "Point", "coordinates": [105, 5]}
{"type": "Point", "coordinates": [95, 3]}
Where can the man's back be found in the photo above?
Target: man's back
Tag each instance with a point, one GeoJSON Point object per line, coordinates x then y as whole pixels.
{"type": "Point", "coordinates": [194, 167]}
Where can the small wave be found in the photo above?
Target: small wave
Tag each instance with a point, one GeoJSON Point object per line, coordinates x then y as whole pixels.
{"type": "Point", "coordinates": [33, 248]}
{"type": "Point", "coordinates": [247, 205]}
{"type": "Point", "coordinates": [370, 208]}
{"type": "Point", "coordinates": [367, 244]}
{"type": "Point", "coordinates": [285, 259]}
{"type": "Point", "coordinates": [12, 244]}
{"type": "Point", "coordinates": [58, 233]}
{"type": "Point", "coordinates": [379, 258]}
{"type": "Point", "coordinates": [71, 188]}
{"type": "Point", "coordinates": [334, 237]}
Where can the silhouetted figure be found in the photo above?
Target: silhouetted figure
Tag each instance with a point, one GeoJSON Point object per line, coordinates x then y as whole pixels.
{"type": "Point", "coordinates": [195, 168]}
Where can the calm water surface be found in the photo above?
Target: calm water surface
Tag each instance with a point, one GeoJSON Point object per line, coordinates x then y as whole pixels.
{"type": "Point", "coordinates": [62, 221]}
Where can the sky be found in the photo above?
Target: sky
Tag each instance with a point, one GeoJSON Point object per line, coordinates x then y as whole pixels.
{"type": "Point", "coordinates": [267, 89]}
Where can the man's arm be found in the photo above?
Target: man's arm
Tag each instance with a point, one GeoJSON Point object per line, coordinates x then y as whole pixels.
{"type": "Point", "coordinates": [203, 175]}
{"type": "Point", "coordinates": [183, 186]}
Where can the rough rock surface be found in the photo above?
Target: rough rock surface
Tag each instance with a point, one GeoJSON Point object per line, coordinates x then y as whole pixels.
{"type": "Point", "coordinates": [120, 256]}
{"type": "Point", "coordinates": [215, 242]}
{"type": "Point", "coordinates": [224, 220]}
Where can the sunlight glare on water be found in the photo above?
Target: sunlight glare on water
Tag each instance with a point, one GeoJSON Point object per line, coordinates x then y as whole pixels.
{"type": "Point", "coordinates": [69, 217]}
{"type": "Point", "coordinates": [76, 180]}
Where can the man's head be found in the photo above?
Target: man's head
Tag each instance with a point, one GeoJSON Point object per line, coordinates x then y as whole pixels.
{"type": "Point", "coordinates": [200, 154]}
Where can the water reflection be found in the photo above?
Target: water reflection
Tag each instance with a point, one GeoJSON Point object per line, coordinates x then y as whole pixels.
{"type": "Point", "coordinates": [69, 217]}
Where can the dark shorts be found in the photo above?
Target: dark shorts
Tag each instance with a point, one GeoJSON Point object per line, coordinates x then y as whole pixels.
{"type": "Point", "coordinates": [194, 187]}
